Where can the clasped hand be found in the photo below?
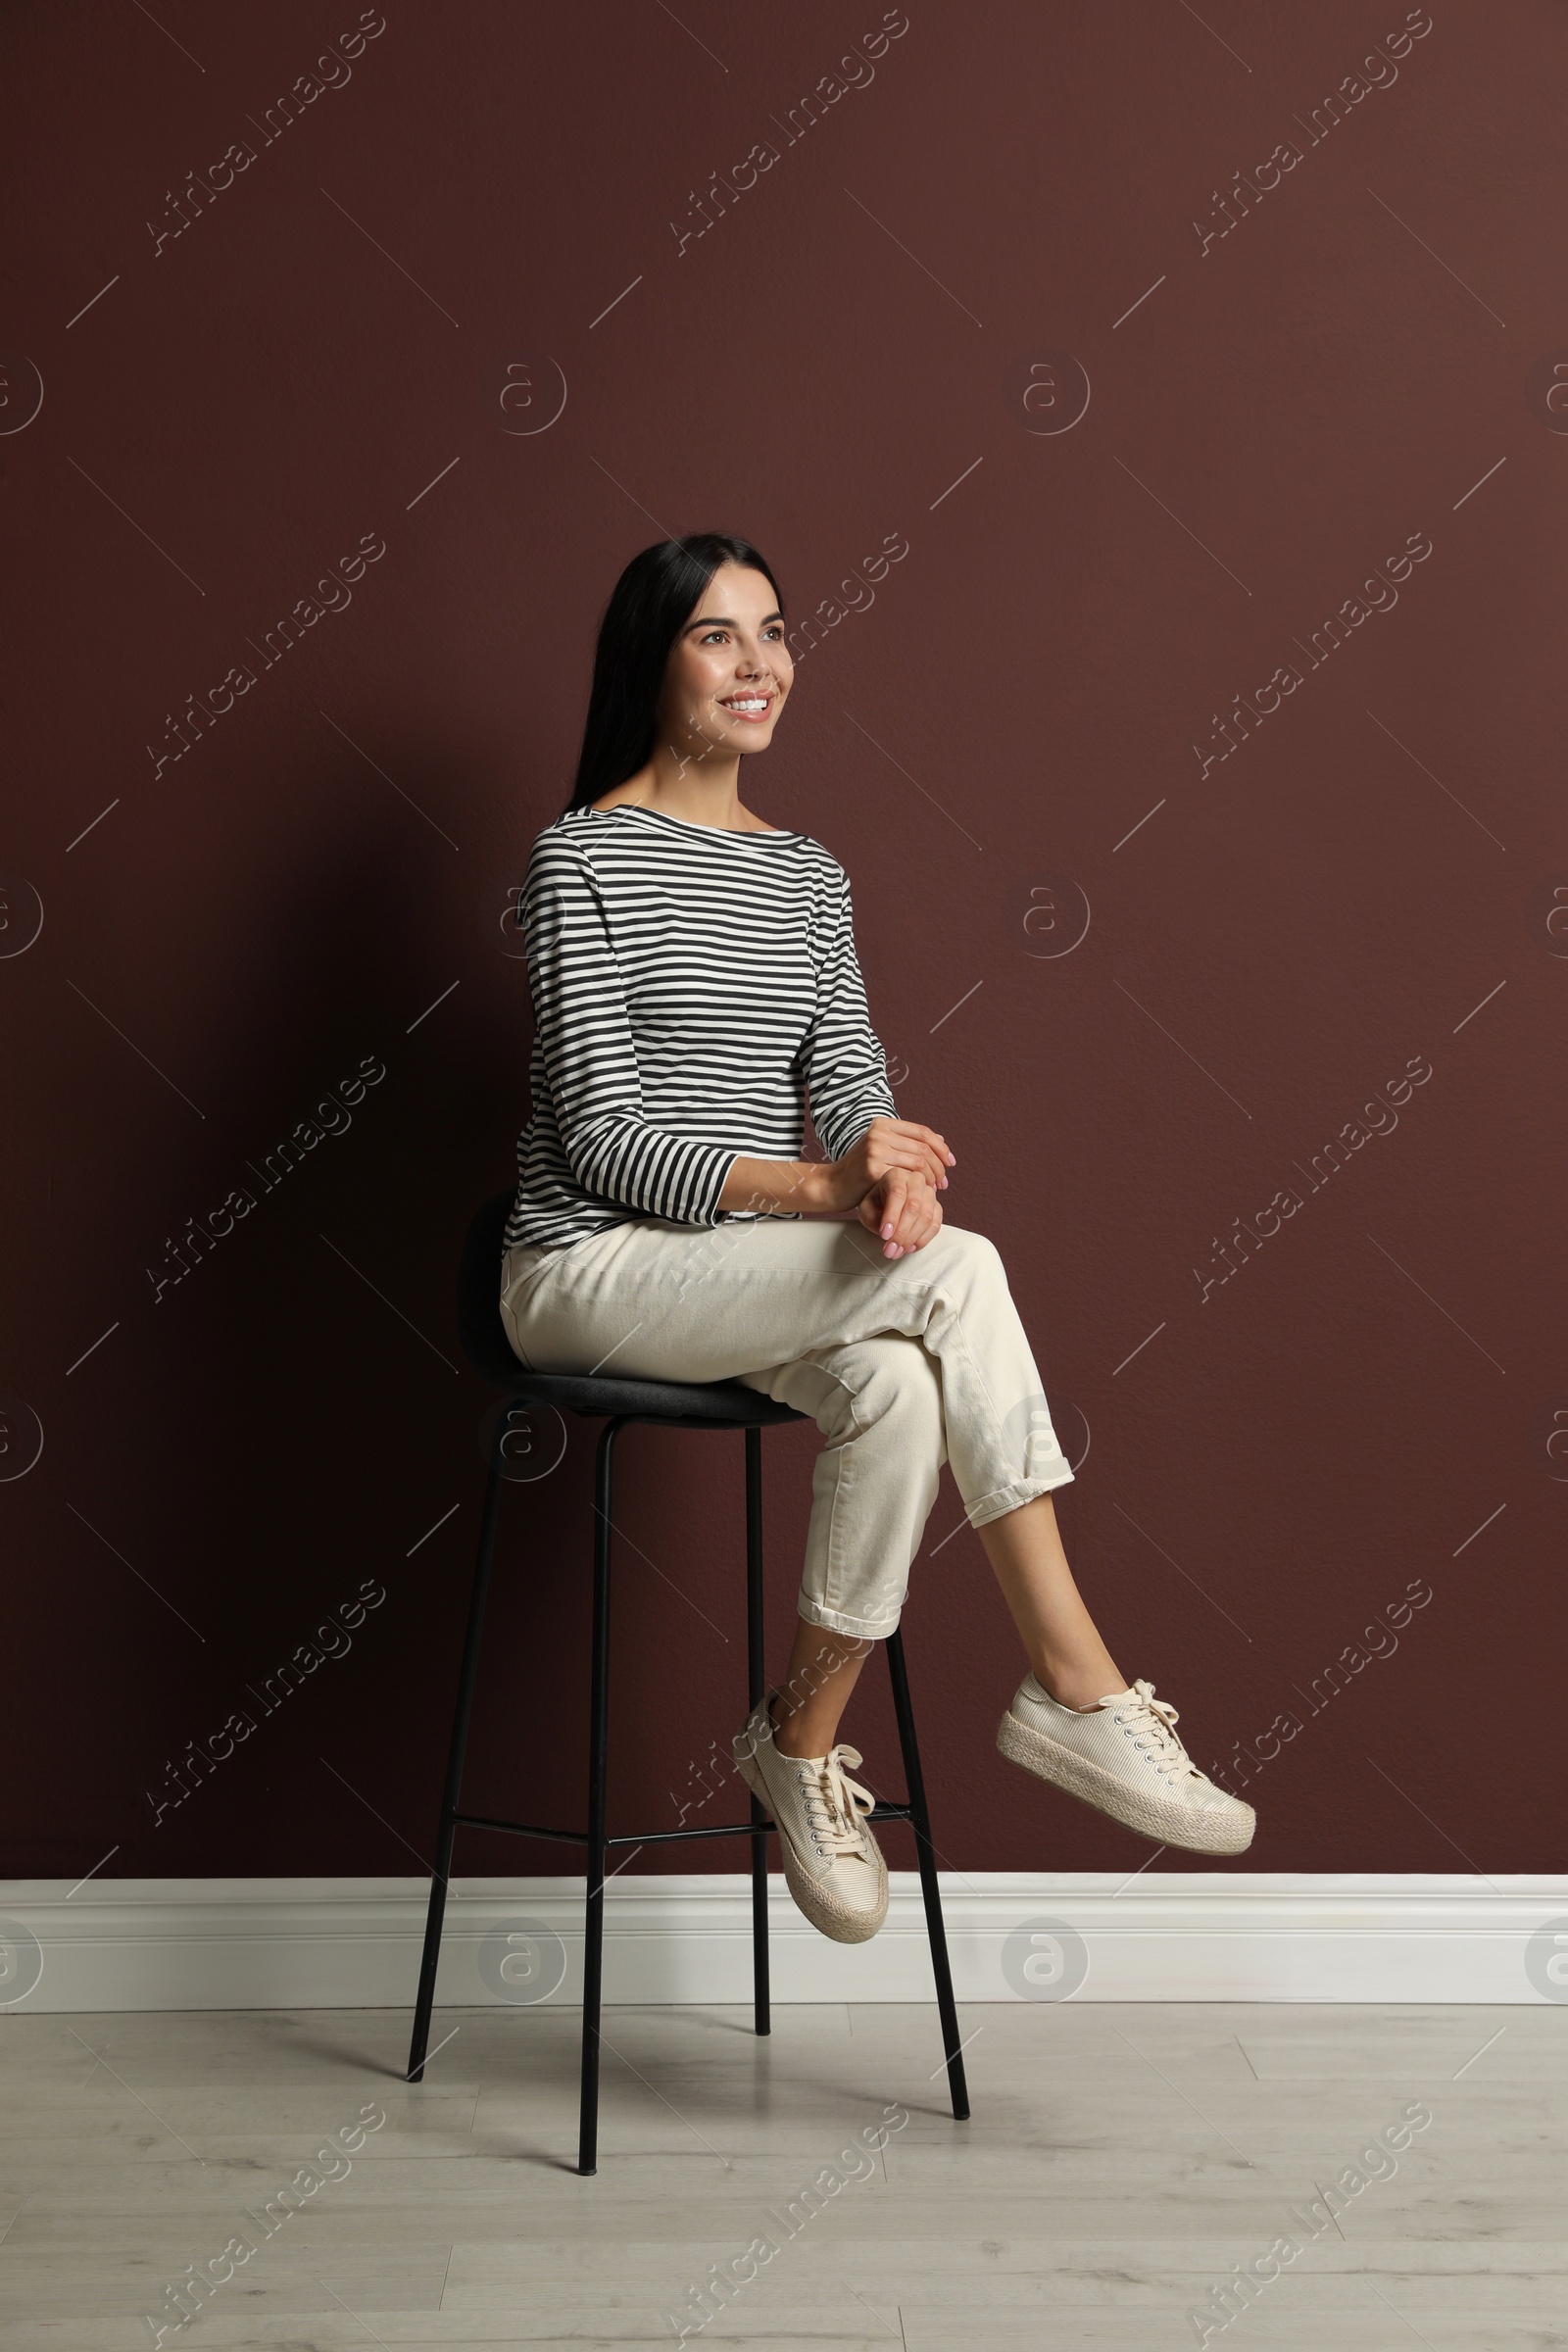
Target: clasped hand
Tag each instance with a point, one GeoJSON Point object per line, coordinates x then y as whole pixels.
{"type": "Point", "coordinates": [890, 1179]}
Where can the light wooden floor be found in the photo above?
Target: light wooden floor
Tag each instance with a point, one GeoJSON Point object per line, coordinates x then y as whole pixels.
{"type": "Point", "coordinates": [1120, 2159]}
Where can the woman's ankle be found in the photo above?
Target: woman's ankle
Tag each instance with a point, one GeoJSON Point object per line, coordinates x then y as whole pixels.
{"type": "Point", "coordinates": [1077, 1686]}
{"type": "Point", "coordinates": [796, 1733]}
{"type": "Point", "coordinates": [797, 1750]}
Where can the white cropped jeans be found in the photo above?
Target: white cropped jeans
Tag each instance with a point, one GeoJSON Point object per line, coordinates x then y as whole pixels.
{"type": "Point", "coordinates": [903, 1363]}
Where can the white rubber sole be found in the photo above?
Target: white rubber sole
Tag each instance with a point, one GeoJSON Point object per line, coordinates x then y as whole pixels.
{"type": "Point", "coordinates": [829, 1917]}
{"type": "Point", "coordinates": [1221, 1832]}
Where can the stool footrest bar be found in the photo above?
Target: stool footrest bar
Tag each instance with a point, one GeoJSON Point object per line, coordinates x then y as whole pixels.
{"type": "Point", "coordinates": [725, 1829]}
{"type": "Point", "coordinates": [517, 1829]}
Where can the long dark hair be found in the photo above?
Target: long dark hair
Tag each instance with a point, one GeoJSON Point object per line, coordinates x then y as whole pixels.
{"type": "Point", "coordinates": [652, 599]}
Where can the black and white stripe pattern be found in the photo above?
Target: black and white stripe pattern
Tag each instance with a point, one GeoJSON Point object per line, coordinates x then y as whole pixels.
{"type": "Point", "coordinates": [690, 987]}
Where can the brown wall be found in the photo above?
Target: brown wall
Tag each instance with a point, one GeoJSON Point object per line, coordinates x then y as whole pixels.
{"type": "Point", "coordinates": [320, 360]}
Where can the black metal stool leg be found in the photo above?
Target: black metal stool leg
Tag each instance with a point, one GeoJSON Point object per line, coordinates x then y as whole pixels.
{"type": "Point", "coordinates": [467, 1678]}
{"type": "Point", "coordinates": [593, 1949]}
{"type": "Point", "coordinates": [920, 1822]}
{"type": "Point", "coordinates": [757, 1675]}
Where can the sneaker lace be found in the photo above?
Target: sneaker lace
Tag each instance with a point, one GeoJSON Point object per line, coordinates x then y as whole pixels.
{"type": "Point", "coordinates": [836, 1807]}
{"type": "Point", "coordinates": [1155, 1720]}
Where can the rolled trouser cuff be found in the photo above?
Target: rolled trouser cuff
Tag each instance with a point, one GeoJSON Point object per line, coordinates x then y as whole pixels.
{"type": "Point", "coordinates": [1003, 1499]}
{"type": "Point", "coordinates": [837, 1621]}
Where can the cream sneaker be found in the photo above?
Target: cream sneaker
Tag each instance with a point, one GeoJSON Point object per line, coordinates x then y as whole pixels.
{"type": "Point", "coordinates": [1123, 1756]}
{"type": "Point", "coordinates": [832, 1863]}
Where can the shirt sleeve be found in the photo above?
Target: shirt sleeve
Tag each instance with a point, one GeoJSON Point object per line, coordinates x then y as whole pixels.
{"type": "Point", "coordinates": [841, 1058]}
{"type": "Point", "coordinates": [590, 1057]}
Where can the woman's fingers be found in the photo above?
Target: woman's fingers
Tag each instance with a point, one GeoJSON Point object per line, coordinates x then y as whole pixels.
{"type": "Point", "coordinates": [926, 1135]}
{"type": "Point", "coordinates": [895, 1193]}
{"type": "Point", "coordinates": [869, 1211]}
{"type": "Point", "coordinates": [898, 1145]}
{"type": "Point", "coordinates": [913, 1132]}
{"type": "Point", "coordinates": [918, 1221]}
{"type": "Point", "coordinates": [905, 1151]}
{"type": "Point", "coordinates": [920, 1226]}
{"type": "Point", "coordinates": [931, 1220]}
{"type": "Point", "coordinates": [902, 1211]}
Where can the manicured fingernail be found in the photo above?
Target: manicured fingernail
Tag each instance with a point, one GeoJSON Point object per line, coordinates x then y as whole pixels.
{"type": "Point", "coordinates": [887, 1233]}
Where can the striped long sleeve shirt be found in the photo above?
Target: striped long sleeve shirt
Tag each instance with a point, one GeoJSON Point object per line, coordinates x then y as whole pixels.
{"type": "Point", "coordinates": [691, 990]}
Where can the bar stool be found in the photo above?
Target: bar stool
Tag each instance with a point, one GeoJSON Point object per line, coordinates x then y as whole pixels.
{"type": "Point", "coordinates": [661, 1404]}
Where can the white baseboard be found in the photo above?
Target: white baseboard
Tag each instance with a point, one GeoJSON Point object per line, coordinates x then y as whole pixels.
{"type": "Point", "coordinates": [319, 1944]}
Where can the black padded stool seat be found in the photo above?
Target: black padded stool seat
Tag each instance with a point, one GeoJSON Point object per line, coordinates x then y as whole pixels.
{"type": "Point", "coordinates": [666, 1405]}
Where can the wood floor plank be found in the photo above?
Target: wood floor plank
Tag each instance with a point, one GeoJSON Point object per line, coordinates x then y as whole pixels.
{"type": "Point", "coordinates": [1121, 2160]}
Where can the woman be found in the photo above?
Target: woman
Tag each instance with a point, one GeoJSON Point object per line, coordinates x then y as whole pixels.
{"type": "Point", "coordinates": [695, 981]}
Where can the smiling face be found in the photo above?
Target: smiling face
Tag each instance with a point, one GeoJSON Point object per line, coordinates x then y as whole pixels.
{"type": "Point", "coordinates": [729, 669]}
